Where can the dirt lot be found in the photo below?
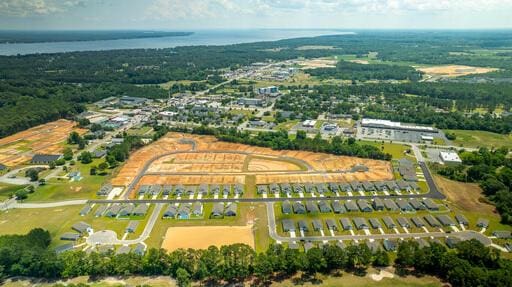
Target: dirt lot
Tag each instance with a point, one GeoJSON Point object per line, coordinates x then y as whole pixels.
{"type": "Point", "coordinates": [467, 196]}
{"type": "Point", "coordinates": [47, 139]}
{"type": "Point", "coordinates": [318, 63]}
{"type": "Point", "coordinates": [270, 164]}
{"type": "Point", "coordinates": [201, 237]}
{"type": "Point", "coordinates": [454, 70]}
{"type": "Point", "coordinates": [237, 160]}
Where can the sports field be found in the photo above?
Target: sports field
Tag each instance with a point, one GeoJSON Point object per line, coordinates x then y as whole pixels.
{"type": "Point", "coordinates": [201, 237]}
{"type": "Point", "coordinates": [43, 139]}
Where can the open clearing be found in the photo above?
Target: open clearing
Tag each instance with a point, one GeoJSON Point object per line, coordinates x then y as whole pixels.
{"type": "Point", "coordinates": [47, 139]}
{"type": "Point", "coordinates": [469, 138]}
{"type": "Point", "coordinates": [454, 70]}
{"type": "Point", "coordinates": [192, 159]}
{"type": "Point", "coordinates": [201, 237]}
{"type": "Point", "coordinates": [318, 63]}
{"type": "Point", "coordinates": [467, 196]}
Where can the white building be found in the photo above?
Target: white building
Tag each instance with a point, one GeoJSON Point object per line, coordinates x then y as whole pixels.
{"type": "Point", "coordinates": [385, 124]}
{"type": "Point", "coordinates": [309, 123]}
{"type": "Point", "coordinates": [450, 157]}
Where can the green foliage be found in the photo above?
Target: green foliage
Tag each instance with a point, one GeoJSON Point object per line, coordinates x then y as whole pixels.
{"type": "Point", "coordinates": [68, 154]}
{"type": "Point", "coordinates": [32, 173]}
{"type": "Point", "coordinates": [492, 170]}
{"type": "Point", "coordinates": [281, 141]}
{"type": "Point", "coordinates": [85, 157]}
{"type": "Point", "coordinates": [364, 72]}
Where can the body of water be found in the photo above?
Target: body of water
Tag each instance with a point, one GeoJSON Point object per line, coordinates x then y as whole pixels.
{"type": "Point", "coordinates": [203, 37]}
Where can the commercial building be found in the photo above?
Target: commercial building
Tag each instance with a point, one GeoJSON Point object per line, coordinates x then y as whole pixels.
{"type": "Point", "coordinates": [385, 124]}
{"type": "Point", "coordinates": [449, 157]}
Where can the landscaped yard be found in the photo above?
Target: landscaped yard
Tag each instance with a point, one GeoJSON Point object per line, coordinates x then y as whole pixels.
{"type": "Point", "coordinates": [62, 189]}
{"type": "Point", "coordinates": [396, 150]}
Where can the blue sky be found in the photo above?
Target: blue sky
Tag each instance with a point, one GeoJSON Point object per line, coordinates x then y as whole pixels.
{"type": "Point", "coordinates": [209, 14]}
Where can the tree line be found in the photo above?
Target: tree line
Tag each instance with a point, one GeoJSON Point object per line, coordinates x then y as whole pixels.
{"type": "Point", "coordinates": [492, 170]}
{"type": "Point", "coordinates": [469, 264]}
{"type": "Point", "coordinates": [280, 140]}
{"type": "Point", "coordinates": [346, 70]}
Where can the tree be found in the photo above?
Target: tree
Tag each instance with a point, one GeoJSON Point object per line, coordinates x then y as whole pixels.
{"type": "Point", "coordinates": [85, 157]}
{"type": "Point", "coordinates": [68, 153]}
{"type": "Point", "coordinates": [52, 165]}
{"type": "Point", "coordinates": [31, 189]}
{"type": "Point", "coordinates": [316, 260]}
{"type": "Point", "coordinates": [92, 171]}
{"type": "Point", "coordinates": [32, 173]}
{"type": "Point", "coordinates": [381, 259]}
{"type": "Point", "coordinates": [42, 181]}
{"type": "Point", "coordinates": [263, 268]}
{"type": "Point", "coordinates": [102, 167]}
{"type": "Point", "coordinates": [182, 277]}
{"type": "Point", "coordinates": [21, 194]}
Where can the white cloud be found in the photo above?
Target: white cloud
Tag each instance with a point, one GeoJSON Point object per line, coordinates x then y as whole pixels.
{"type": "Point", "coordinates": [25, 8]}
{"type": "Point", "coordinates": [190, 9]}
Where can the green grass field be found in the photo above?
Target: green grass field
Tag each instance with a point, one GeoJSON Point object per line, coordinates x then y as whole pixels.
{"type": "Point", "coordinates": [7, 189]}
{"type": "Point", "coordinates": [56, 189]}
{"type": "Point", "coordinates": [480, 139]}
{"type": "Point", "coordinates": [56, 220]}
{"type": "Point", "coordinates": [396, 150]}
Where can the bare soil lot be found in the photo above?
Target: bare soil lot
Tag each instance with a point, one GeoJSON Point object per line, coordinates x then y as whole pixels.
{"type": "Point", "coordinates": [43, 139]}
{"type": "Point", "coordinates": [212, 161]}
{"type": "Point", "coordinates": [454, 70]}
{"type": "Point", "coordinates": [201, 237]}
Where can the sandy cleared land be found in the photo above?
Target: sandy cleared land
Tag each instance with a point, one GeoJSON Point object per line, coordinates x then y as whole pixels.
{"type": "Point", "coordinates": [219, 162]}
{"type": "Point", "coordinates": [202, 237]}
{"type": "Point", "coordinates": [271, 164]}
{"type": "Point", "coordinates": [454, 70]}
{"type": "Point", "coordinates": [42, 139]}
{"type": "Point", "coordinates": [466, 196]}
{"type": "Point", "coordinates": [192, 179]}
{"type": "Point", "coordinates": [318, 63]}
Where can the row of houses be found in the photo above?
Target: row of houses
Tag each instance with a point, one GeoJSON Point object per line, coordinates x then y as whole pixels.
{"type": "Point", "coordinates": [361, 223]}
{"type": "Point", "coordinates": [360, 205]}
{"type": "Point", "coordinates": [183, 211]}
{"type": "Point", "coordinates": [117, 210]}
{"type": "Point", "coordinates": [354, 186]}
{"type": "Point", "coordinates": [203, 189]}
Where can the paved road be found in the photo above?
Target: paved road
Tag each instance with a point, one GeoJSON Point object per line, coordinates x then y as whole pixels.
{"type": "Point", "coordinates": [468, 234]}
{"type": "Point", "coordinates": [49, 204]}
{"type": "Point", "coordinates": [148, 163]}
{"type": "Point", "coordinates": [18, 180]}
{"type": "Point", "coordinates": [259, 199]}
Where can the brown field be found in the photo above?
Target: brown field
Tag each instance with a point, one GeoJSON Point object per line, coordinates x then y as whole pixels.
{"type": "Point", "coordinates": [454, 70]}
{"type": "Point", "coordinates": [466, 196]}
{"type": "Point", "coordinates": [270, 164]}
{"type": "Point", "coordinates": [318, 63]}
{"type": "Point", "coordinates": [47, 139]}
{"type": "Point", "coordinates": [201, 237]}
{"type": "Point", "coordinates": [214, 161]}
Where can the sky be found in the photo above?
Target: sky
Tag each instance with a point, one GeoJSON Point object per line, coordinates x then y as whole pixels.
{"type": "Point", "coordinates": [183, 15]}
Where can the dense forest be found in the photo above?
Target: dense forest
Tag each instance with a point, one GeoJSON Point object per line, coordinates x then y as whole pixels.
{"type": "Point", "coordinates": [363, 72]}
{"type": "Point", "coordinates": [19, 36]}
{"type": "Point", "coordinates": [445, 105]}
{"type": "Point", "coordinates": [280, 140]}
{"type": "Point", "coordinates": [24, 105]}
{"type": "Point", "coordinates": [469, 264]}
{"type": "Point", "coordinates": [67, 80]}
{"type": "Point", "coordinates": [492, 170]}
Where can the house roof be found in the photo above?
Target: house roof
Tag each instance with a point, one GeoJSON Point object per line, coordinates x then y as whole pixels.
{"type": "Point", "coordinates": [46, 157]}
{"type": "Point", "coordinates": [288, 225]}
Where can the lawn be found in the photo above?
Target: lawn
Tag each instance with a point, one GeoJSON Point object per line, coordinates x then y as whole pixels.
{"type": "Point", "coordinates": [287, 125]}
{"type": "Point", "coordinates": [467, 198]}
{"type": "Point", "coordinates": [56, 220]}
{"type": "Point", "coordinates": [348, 279]}
{"type": "Point", "coordinates": [396, 150]}
{"type": "Point", "coordinates": [247, 213]}
{"type": "Point", "coordinates": [62, 189]}
{"type": "Point", "coordinates": [480, 139]}
{"type": "Point", "coordinates": [7, 189]}
{"type": "Point", "coordinates": [143, 131]}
